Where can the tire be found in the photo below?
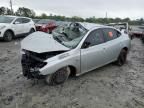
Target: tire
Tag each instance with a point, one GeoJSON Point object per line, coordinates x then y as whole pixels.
{"type": "Point", "coordinates": [58, 77]}
{"type": "Point", "coordinates": [8, 36]}
{"type": "Point", "coordinates": [48, 31]}
{"type": "Point", "coordinates": [31, 31]}
{"type": "Point", "coordinates": [122, 58]}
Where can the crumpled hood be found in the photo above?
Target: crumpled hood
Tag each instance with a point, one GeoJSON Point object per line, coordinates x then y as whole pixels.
{"type": "Point", "coordinates": [41, 42]}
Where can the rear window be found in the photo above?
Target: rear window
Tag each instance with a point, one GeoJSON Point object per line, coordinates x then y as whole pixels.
{"type": "Point", "coordinates": [110, 34]}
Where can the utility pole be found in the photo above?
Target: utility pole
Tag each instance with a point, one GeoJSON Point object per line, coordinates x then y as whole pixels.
{"type": "Point", "coordinates": [106, 15]}
{"type": "Point", "coordinates": [11, 6]}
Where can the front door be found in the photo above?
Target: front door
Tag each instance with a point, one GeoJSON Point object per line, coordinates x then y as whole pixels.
{"type": "Point", "coordinates": [93, 51]}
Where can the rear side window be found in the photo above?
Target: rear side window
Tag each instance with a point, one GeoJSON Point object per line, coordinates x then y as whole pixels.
{"type": "Point", "coordinates": [110, 34]}
{"type": "Point", "coordinates": [25, 20]}
{"type": "Point", "coordinates": [95, 37]}
{"type": "Point", "coordinates": [19, 20]}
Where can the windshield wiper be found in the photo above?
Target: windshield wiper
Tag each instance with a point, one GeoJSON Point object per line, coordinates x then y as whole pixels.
{"type": "Point", "coordinates": [57, 39]}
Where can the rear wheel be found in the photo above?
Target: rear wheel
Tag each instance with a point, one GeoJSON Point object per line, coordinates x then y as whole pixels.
{"type": "Point", "coordinates": [122, 58]}
{"type": "Point", "coordinates": [8, 36]}
{"type": "Point", "coordinates": [48, 31]}
{"type": "Point", "coordinates": [58, 77]}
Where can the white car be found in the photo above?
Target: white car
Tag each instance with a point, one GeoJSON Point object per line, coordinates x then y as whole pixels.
{"type": "Point", "coordinates": [13, 26]}
{"type": "Point", "coordinates": [74, 49]}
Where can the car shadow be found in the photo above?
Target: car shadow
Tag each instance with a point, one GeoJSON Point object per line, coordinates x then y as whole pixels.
{"type": "Point", "coordinates": [14, 39]}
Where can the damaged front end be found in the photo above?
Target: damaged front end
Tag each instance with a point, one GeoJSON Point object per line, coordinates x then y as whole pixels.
{"type": "Point", "coordinates": [32, 62]}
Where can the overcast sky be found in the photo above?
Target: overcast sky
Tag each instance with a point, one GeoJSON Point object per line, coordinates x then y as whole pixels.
{"type": "Point", "coordinates": [83, 8]}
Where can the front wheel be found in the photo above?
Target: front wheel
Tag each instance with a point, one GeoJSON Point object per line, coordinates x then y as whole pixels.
{"type": "Point", "coordinates": [8, 35]}
{"type": "Point", "coordinates": [122, 58]}
{"type": "Point", "coordinates": [58, 77]}
{"type": "Point", "coordinates": [31, 31]}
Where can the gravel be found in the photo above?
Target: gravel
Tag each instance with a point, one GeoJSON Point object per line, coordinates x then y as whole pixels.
{"type": "Point", "coordinates": [107, 87]}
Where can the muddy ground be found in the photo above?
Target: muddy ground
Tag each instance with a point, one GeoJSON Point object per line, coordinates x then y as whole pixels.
{"type": "Point", "coordinates": [107, 87]}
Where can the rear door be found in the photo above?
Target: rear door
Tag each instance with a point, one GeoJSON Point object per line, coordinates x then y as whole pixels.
{"type": "Point", "coordinates": [93, 56]}
{"type": "Point", "coordinates": [18, 26]}
{"type": "Point", "coordinates": [112, 45]}
{"type": "Point", "coordinates": [26, 25]}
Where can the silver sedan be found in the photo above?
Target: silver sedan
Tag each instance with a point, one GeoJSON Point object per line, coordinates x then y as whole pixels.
{"type": "Point", "coordinates": [72, 49]}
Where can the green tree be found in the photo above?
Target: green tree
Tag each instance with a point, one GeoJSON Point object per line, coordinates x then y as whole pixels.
{"type": "Point", "coordinates": [22, 11]}
{"type": "Point", "coordinates": [5, 11]}
{"type": "Point", "coordinates": [76, 18]}
{"type": "Point", "coordinates": [2, 10]}
{"type": "Point", "coordinates": [43, 16]}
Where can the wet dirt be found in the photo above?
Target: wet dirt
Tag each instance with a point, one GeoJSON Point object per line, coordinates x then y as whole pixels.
{"type": "Point", "coordinates": [108, 87]}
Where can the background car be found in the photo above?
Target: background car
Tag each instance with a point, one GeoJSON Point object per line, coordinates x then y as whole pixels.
{"type": "Point", "coordinates": [36, 20]}
{"type": "Point", "coordinates": [123, 27]}
{"type": "Point", "coordinates": [74, 49]}
{"type": "Point", "coordinates": [62, 23]}
{"type": "Point", "coordinates": [46, 25]}
{"type": "Point", "coordinates": [13, 26]}
{"type": "Point", "coordinates": [137, 31]}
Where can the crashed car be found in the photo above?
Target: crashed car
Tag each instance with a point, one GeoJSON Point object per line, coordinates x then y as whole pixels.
{"type": "Point", "coordinates": [72, 50]}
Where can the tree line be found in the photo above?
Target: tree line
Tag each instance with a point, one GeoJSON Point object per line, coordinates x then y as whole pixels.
{"type": "Point", "coordinates": [22, 11]}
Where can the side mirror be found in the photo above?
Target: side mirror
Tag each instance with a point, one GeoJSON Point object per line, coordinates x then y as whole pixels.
{"type": "Point", "coordinates": [16, 22]}
{"type": "Point", "coordinates": [86, 45]}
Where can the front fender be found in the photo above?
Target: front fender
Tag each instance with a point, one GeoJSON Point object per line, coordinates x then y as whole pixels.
{"type": "Point", "coordinates": [53, 66]}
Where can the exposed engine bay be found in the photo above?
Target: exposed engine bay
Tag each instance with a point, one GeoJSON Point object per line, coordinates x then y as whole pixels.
{"type": "Point", "coordinates": [32, 62]}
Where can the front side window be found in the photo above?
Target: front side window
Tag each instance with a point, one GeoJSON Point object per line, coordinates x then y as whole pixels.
{"type": "Point", "coordinates": [70, 35]}
{"type": "Point", "coordinates": [6, 19]}
{"type": "Point", "coordinates": [95, 38]}
{"type": "Point", "coordinates": [110, 34]}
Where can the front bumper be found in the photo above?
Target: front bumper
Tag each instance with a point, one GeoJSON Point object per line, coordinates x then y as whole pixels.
{"type": "Point", "coordinates": [30, 68]}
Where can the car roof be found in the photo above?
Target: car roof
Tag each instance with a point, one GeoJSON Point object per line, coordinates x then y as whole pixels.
{"type": "Point", "coordinates": [8, 16]}
{"type": "Point", "coordinates": [90, 26]}
{"type": "Point", "coordinates": [16, 16]}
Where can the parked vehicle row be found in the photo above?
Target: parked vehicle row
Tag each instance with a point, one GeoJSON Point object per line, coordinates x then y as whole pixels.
{"type": "Point", "coordinates": [74, 49]}
{"type": "Point", "coordinates": [14, 26]}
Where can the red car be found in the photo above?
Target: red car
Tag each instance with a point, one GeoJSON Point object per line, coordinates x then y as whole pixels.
{"type": "Point", "coordinates": [46, 25]}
